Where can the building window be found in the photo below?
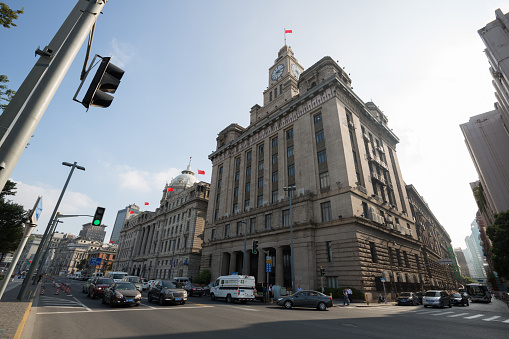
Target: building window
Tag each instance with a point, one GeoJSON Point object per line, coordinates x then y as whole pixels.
{"type": "Point", "coordinates": [260, 149]}
{"type": "Point", "coordinates": [417, 262]}
{"type": "Point", "coordinates": [317, 118]}
{"type": "Point", "coordinates": [259, 201]}
{"type": "Point", "coordinates": [246, 204]}
{"type": "Point", "coordinates": [398, 257]}
{"type": "Point", "coordinates": [274, 142]}
{"type": "Point", "coordinates": [210, 260]}
{"type": "Point", "coordinates": [291, 170]}
{"type": "Point", "coordinates": [405, 257]}
{"type": "Point", "coordinates": [237, 162]}
{"type": "Point", "coordinates": [249, 155]}
{"type": "Point", "coordinates": [289, 151]}
{"type": "Point", "coordinates": [329, 251]}
{"type": "Point", "coordinates": [218, 198]}
{"type": "Point", "coordinates": [270, 96]}
{"type": "Point", "coordinates": [236, 192]}
{"type": "Point", "coordinates": [227, 230]}
{"type": "Point", "coordinates": [322, 157]}
{"type": "Point", "coordinates": [260, 165]}
{"type": "Point", "coordinates": [274, 159]}
{"type": "Point", "coordinates": [235, 208]}
{"type": "Point", "coordinates": [268, 221]}
{"type": "Point", "coordinates": [324, 180]}
{"type": "Point", "coordinates": [332, 282]}
{"type": "Point", "coordinates": [248, 171]}
{"type": "Point", "coordinates": [372, 249]}
{"type": "Point", "coordinates": [274, 196]}
{"type": "Point", "coordinates": [252, 225]}
{"type": "Point", "coordinates": [274, 176]}
{"type": "Point", "coordinates": [286, 218]}
{"type": "Point", "coordinates": [218, 186]}
{"type": "Point", "coordinates": [281, 89]}
{"type": "Point", "coordinates": [260, 182]}
{"type": "Point", "coordinates": [319, 136]}
{"type": "Point", "coordinates": [248, 187]}
{"type": "Point", "coordinates": [216, 216]}
{"type": "Point", "coordinates": [220, 171]}
{"type": "Point", "coordinates": [237, 176]}
{"type": "Point", "coordinates": [325, 207]}
{"type": "Point", "coordinates": [239, 228]}
{"type": "Point", "coordinates": [275, 92]}
{"type": "Point", "coordinates": [289, 134]}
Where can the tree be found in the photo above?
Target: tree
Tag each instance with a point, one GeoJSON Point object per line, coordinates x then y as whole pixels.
{"type": "Point", "coordinates": [7, 15]}
{"type": "Point", "coordinates": [6, 94]}
{"type": "Point", "coordinates": [12, 217]}
{"type": "Point", "coordinates": [499, 236]}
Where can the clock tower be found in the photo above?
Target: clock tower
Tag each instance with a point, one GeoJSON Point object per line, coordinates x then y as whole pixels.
{"type": "Point", "coordinates": [283, 78]}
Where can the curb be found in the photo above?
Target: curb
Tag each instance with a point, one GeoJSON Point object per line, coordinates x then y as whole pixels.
{"type": "Point", "coordinates": [21, 325]}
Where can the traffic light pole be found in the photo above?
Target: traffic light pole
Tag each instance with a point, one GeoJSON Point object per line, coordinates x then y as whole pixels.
{"type": "Point", "coordinates": [21, 117]}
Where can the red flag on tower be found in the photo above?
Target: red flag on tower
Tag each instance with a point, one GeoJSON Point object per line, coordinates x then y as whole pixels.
{"type": "Point", "coordinates": [132, 212]}
{"type": "Point", "coordinates": [170, 189]}
{"type": "Point", "coordinates": [146, 203]}
{"type": "Point", "coordinates": [288, 31]}
{"type": "Point", "coordinates": [201, 172]}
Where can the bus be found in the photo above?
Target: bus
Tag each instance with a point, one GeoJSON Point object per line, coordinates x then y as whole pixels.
{"type": "Point", "coordinates": [478, 292]}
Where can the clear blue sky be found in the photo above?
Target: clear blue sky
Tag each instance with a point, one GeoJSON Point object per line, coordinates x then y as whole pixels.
{"type": "Point", "coordinates": [194, 67]}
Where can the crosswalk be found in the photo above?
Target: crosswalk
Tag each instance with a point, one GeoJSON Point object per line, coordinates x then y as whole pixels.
{"type": "Point", "coordinates": [56, 302]}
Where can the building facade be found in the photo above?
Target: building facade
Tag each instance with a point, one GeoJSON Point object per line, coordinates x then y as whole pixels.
{"type": "Point", "coordinates": [92, 232]}
{"type": "Point", "coordinates": [315, 139]}
{"type": "Point", "coordinates": [167, 243]}
{"type": "Point", "coordinates": [462, 262]}
{"type": "Point", "coordinates": [122, 216]}
{"type": "Point", "coordinates": [474, 254]}
{"type": "Point", "coordinates": [70, 253]}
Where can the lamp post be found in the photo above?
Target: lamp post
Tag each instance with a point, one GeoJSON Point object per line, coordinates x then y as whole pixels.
{"type": "Point", "coordinates": [290, 189]}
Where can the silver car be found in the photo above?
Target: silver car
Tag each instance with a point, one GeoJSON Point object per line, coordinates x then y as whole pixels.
{"type": "Point", "coordinates": [436, 298]}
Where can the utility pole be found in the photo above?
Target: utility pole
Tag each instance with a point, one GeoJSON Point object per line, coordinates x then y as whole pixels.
{"type": "Point", "coordinates": [21, 117]}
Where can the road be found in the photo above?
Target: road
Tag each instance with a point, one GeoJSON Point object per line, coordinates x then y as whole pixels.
{"type": "Point", "coordinates": [76, 316]}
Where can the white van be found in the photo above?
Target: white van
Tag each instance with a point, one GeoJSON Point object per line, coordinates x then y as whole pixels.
{"type": "Point", "coordinates": [97, 275]}
{"type": "Point", "coordinates": [234, 287]}
{"type": "Point", "coordinates": [181, 280]}
{"type": "Point", "coordinates": [116, 276]}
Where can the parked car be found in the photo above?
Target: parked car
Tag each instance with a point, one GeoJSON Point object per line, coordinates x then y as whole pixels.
{"type": "Point", "coordinates": [86, 285]}
{"type": "Point", "coordinates": [147, 285]}
{"type": "Point", "coordinates": [306, 299]}
{"type": "Point", "coordinates": [194, 290]}
{"type": "Point", "coordinates": [206, 289]}
{"type": "Point", "coordinates": [121, 293]}
{"type": "Point", "coordinates": [437, 298]}
{"type": "Point", "coordinates": [165, 291]}
{"type": "Point", "coordinates": [98, 286]}
{"type": "Point", "coordinates": [407, 298]}
{"type": "Point", "coordinates": [459, 299]}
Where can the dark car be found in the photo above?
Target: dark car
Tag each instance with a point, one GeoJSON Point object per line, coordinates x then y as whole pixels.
{"type": "Point", "coordinates": [121, 293]}
{"type": "Point", "coordinates": [459, 299]}
{"type": "Point", "coordinates": [419, 295]}
{"type": "Point", "coordinates": [206, 289]}
{"type": "Point", "coordinates": [166, 291]}
{"type": "Point", "coordinates": [407, 298]}
{"type": "Point", "coordinates": [98, 286]}
{"type": "Point", "coordinates": [438, 298]}
{"type": "Point", "coordinates": [86, 286]}
{"type": "Point", "coordinates": [306, 299]}
{"type": "Point", "coordinates": [194, 290]}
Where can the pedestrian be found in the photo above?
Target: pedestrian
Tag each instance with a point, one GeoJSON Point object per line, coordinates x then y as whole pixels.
{"type": "Point", "coordinates": [40, 278]}
{"type": "Point", "coordinates": [350, 293]}
{"type": "Point", "coordinates": [345, 297]}
{"type": "Point", "coordinates": [265, 297]}
{"type": "Point", "coordinates": [299, 289]}
{"type": "Point", "coordinates": [271, 295]}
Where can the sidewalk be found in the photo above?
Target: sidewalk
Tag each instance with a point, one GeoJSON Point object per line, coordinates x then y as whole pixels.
{"type": "Point", "coordinates": [14, 312]}
{"type": "Point", "coordinates": [362, 303]}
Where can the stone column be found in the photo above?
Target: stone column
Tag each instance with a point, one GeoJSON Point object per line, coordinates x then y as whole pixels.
{"type": "Point", "coordinates": [233, 262]}
{"type": "Point", "coordinates": [261, 267]}
{"type": "Point", "coordinates": [279, 266]}
{"type": "Point", "coordinates": [248, 262]}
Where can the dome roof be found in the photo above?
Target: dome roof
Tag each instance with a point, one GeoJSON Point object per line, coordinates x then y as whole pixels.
{"type": "Point", "coordinates": [184, 180]}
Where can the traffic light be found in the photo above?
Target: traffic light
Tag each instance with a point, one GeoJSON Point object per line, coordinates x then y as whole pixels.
{"type": "Point", "coordinates": [255, 247]}
{"type": "Point", "coordinates": [98, 216]}
{"type": "Point", "coordinates": [322, 270]}
{"type": "Point", "coordinates": [106, 80]}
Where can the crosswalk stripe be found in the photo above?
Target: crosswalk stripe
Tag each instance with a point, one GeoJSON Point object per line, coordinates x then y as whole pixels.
{"type": "Point", "coordinates": [456, 315]}
{"type": "Point", "coordinates": [442, 313]}
{"type": "Point", "coordinates": [506, 321]}
{"type": "Point", "coordinates": [475, 316]}
{"type": "Point", "coordinates": [492, 318]}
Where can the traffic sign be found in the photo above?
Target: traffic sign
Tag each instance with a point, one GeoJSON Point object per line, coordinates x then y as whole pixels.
{"type": "Point", "coordinates": [445, 261]}
{"type": "Point", "coordinates": [382, 279]}
{"type": "Point", "coordinates": [95, 261]}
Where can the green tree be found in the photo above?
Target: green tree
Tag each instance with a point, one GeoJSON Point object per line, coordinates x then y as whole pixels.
{"type": "Point", "coordinates": [6, 94]}
{"type": "Point", "coordinates": [12, 217]}
{"type": "Point", "coordinates": [7, 15]}
{"type": "Point", "coordinates": [499, 236]}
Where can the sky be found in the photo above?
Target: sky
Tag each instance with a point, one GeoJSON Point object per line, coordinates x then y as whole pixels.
{"type": "Point", "coordinates": [194, 67]}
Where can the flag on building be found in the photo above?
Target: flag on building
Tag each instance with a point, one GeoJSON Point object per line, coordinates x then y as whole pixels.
{"type": "Point", "coordinates": [201, 172]}
{"type": "Point", "coordinates": [288, 31]}
{"type": "Point", "coordinates": [170, 189]}
{"type": "Point", "coordinates": [146, 203]}
{"type": "Point", "coordinates": [132, 212]}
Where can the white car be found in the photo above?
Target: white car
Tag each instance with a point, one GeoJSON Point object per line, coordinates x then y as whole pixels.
{"type": "Point", "coordinates": [147, 284]}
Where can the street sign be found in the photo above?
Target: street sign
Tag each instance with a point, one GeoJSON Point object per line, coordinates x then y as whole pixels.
{"type": "Point", "coordinates": [382, 279]}
{"type": "Point", "coordinates": [95, 261]}
{"type": "Point", "coordinates": [445, 261]}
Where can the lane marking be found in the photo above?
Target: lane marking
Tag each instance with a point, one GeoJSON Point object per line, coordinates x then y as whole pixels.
{"type": "Point", "coordinates": [492, 318]}
{"type": "Point", "coordinates": [126, 310]}
{"type": "Point", "coordinates": [457, 315]}
{"type": "Point", "coordinates": [82, 304]}
{"type": "Point", "coordinates": [443, 313]}
{"type": "Point", "coordinates": [506, 321]}
{"type": "Point", "coordinates": [475, 316]}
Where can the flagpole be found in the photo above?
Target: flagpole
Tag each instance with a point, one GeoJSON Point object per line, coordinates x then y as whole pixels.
{"type": "Point", "coordinates": [285, 35]}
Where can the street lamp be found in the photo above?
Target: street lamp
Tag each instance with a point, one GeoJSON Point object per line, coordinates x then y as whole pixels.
{"type": "Point", "coordinates": [290, 190]}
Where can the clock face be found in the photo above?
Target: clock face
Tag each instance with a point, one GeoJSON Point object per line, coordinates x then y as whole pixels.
{"type": "Point", "coordinates": [295, 71]}
{"type": "Point", "coordinates": [277, 72]}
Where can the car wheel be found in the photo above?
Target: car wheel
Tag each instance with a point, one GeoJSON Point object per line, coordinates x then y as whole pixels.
{"type": "Point", "coordinates": [161, 300]}
{"type": "Point", "coordinates": [322, 306]}
{"type": "Point", "coordinates": [450, 304]}
{"type": "Point", "coordinates": [182, 303]}
{"type": "Point", "coordinates": [137, 304]}
{"type": "Point", "coordinates": [288, 304]}
{"type": "Point", "coordinates": [425, 306]}
{"type": "Point", "coordinates": [229, 299]}
{"type": "Point", "coordinates": [212, 296]}
{"type": "Point", "coordinates": [103, 301]}
{"type": "Point", "coordinates": [441, 304]}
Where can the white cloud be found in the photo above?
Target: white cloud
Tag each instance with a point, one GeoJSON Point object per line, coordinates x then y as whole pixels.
{"type": "Point", "coordinates": [140, 180]}
{"type": "Point", "coordinates": [122, 52]}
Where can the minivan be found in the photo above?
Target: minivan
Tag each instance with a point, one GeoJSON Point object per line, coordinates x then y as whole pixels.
{"type": "Point", "coordinates": [437, 298]}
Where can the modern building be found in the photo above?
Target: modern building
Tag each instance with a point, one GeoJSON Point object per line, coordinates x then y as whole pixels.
{"type": "Point", "coordinates": [315, 179]}
{"type": "Point", "coordinates": [122, 216]}
{"type": "Point", "coordinates": [167, 243]}
{"type": "Point", "coordinates": [474, 254]}
{"type": "Point", "coordinates": [462, 262]}
{"type": "Point", "coordinates": [92, 232]}
{"type": "Point", "coordinates": [28, 253]}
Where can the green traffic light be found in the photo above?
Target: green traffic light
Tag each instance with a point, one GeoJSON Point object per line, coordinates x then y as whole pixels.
{"type": "Point", "coordinates": [97, 222]}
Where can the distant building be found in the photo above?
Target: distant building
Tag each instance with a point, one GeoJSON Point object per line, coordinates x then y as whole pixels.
{"type": "Point", "coordinates": [70, 253]}
{"type": "Point", "coordinates": [122, 216]}
{"type": "Point", "coordinates": [474, 254]}
{"type": "Point", "coordinates": [462, 262]}
{"type": "Point", "coordinates": [93, 233]}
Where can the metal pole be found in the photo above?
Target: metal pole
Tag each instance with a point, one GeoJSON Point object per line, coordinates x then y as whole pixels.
{"type": "Point", "coordinates": [52, 233]}
{"type": "Point", "coordinates": [41, 248]}
{"type": "Point", "coordinates": [244, 259]}
{"type": "Point", "coordinates": [172, 256]}
{"type": "Point", "coordinates": [25, 120]}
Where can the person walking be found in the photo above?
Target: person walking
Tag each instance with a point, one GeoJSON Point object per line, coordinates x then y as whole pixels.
{"type": "Point", "coordinates": [271, 295]}
{"type": "Point", "coordinates": [345, 297]}
{"type": "Point", "coordinates": [299, 289]}
{"type": "Point", "coordinates": [350, 293]}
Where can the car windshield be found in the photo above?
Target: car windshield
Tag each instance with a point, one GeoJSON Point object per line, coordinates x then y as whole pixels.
{"type": "Point", "coordinates": [104, 281]}
{"type": "Point", "coordinates": [456, 295]}
{"type": "Point", "coordinates": [125, 286]}
{"type": "Point", "coordinates": [169, 284]}
{"type": "Point", "coordinates": [134, 279]}
{"type": "Point", "coordinates": [432, 294]}
{"type": "Point", "coordinates": [196, 285]}
{"type": "Point", "coordinates": [404, 294]}
{"type": "Point", "coordinates": [118, 276]}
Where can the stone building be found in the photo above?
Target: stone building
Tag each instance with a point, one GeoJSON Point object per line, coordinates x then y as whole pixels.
{"type": "Point", "coordinates": [70, 252]}
{"type": "Point", "coordinates": [316, 139]}
{"type": "Point", "coordinates": [93, 232]}
{"type": "Point", "coordinates": [152, 244]}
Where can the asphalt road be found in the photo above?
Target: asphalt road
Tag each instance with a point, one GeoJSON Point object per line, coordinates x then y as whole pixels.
{"type": "Point", "coordinates": [76, 316]}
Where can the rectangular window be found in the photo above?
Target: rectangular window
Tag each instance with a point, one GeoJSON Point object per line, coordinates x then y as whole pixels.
{"type": "Point", "coordinates": [319, 136]}
{"type": "Point", "coordinates": [237, 162]}
{"type": "Point", "coordinates": [235, 207]}
{"type": "Point", "coordinates": [270, 96]}
{"type": "Point", "coordinates": [405, 257]}
{"type": "Point", "coordinates": [236, 192]}
{"type": "Point", "coordinates": [248, 171]}
{"type": "Point", "coordinates": [220, 171]}
{"type": "Point", "coordinates": [260, 182]}
{"type": "Point", "coordinates": [329, 251]}
{"type": "Point", "coordinates": [274, 142]}
{"type": "Point", "coordinates": [289, 134]}
{"type": "Point", "coordinates": [322, 157]}
{"type": "Point", "coordinates": [248, 187]}
{"type": "Point", "coordinates": [260, 165]}
{"type": "Point", "coordinates": [274, 159]}
{"type": "Point", "coordinates": [274, 196]}
{"type": "Point", "coordinates": [417, 262]}
{"type": "Point", "coordinates": [325, 208]}
{"type": "Point", "coordinates": [252, 225]}
{"type": "Point", "coordinates": [274, 176]}
{"type": "Point", "coordinates": [218, 198]}
{"type": "Point", "coordinates": [260, 149]}
{"type": "Point", "coordinates": [317, 118]}
{"type": "Point", "coordinates": [289, 151]}
{"type": "Point", "coordinates": [246, 204]}
{"type": "Point", "coordinates": [227, 230]}
{"type": "Point", "coordinates": [332, 282]}
{"type": "Point", "coordinates": [372, 249]}
{"type": "Point", "coordinates": [249, 155]}
{"type": "Point", "coordinates": [275, 92]}
{"type": "Point", "coordinates": [291, 170]}
{"type": "Point", "coordinates": [218, 186]}
{"type": "Point", "coordinates": [286, 218]}
{"type": "Point", "coordinates": [398, 257]}
{"type": "Point", "coordinates": [324, 180]}
{"type": "Point", "coordinates": [239, 227]}
{"type": "Point", "coordinates": [237, 176]}
{"type": "Point", "coordinates": [259, 201]}
{"type": "Point", "coordinates": [213, 235]}
{"type": "Point", "coordinates": [268, 221]}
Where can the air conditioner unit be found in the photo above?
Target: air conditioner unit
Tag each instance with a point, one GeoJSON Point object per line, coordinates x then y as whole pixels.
{"type": "Point", "coordinates": [403, 230]}
{"type": "Point", "coordinates": [301, 191]}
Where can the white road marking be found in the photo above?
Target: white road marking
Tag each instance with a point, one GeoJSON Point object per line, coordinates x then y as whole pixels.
{"type": "Point", "coordinates": [130, 310]}
{"type": "Point", "coordinates": [506, 321]}
{"type": "Point", "coordinates": [457, 315]}
{"type": "Point", "coordinates": [492, 318]}
{"type": "Point", "coordinates": [475, 316]}
{"type": "Point", "coordinates": [442, 313]}
{"type": "Point", "coordinates": [82, 304]}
